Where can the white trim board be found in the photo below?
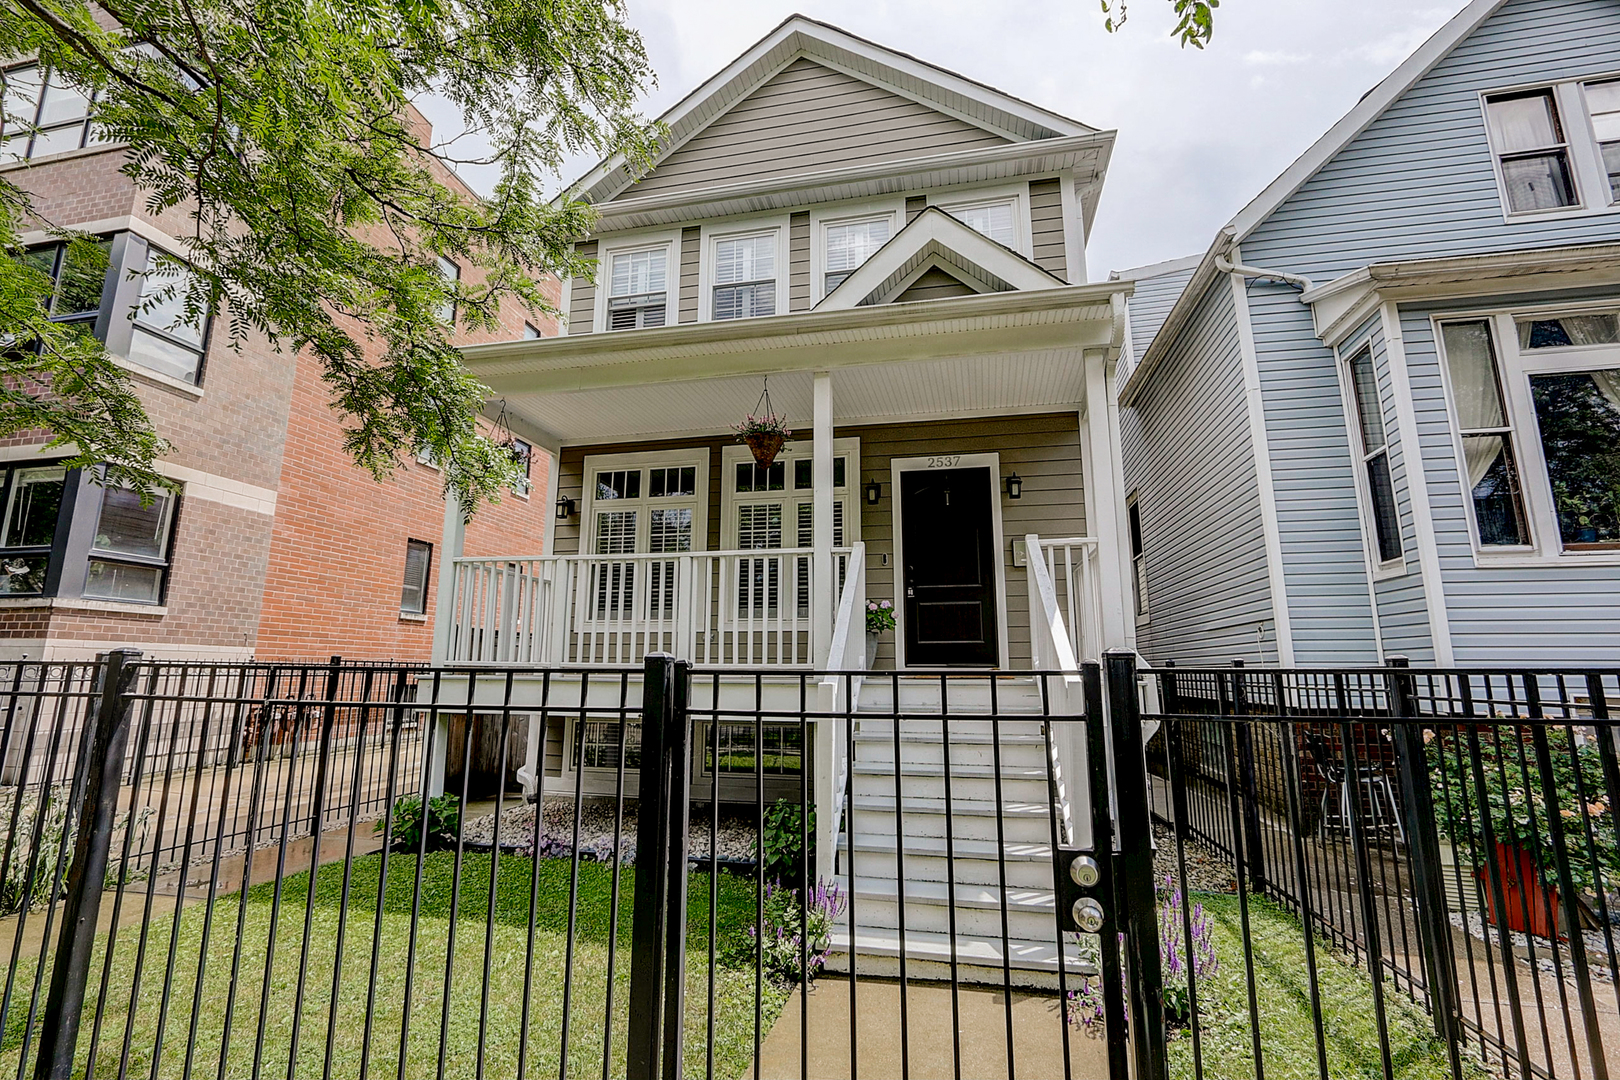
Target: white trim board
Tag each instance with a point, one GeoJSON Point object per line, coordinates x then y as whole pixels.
{"type": "Point", "coordinates": [990, 461]}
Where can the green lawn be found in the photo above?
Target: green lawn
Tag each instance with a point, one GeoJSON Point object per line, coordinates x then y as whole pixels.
{"type": "Point", "coordinates": [508, 935]}
{"type": "Point", "coordinates": [1287, 1035]}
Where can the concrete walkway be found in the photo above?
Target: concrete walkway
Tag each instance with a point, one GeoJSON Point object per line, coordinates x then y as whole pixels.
{"type": "Point", "coordinates": [1037, 1034]}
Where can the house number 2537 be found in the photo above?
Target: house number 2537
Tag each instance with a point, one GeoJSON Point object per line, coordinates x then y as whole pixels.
{"type": "Point", "coordinates": [949, 461]}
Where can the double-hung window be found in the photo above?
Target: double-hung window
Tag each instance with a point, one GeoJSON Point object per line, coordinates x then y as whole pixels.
{"type": "Point", "coordinates": [848, 244]}
{"type": "Point", "coordinates": [1532, 153]}
{"type": "Point", "coordinates": [166, 337]}
{"type": "Point", "coordinates": [642, 505]}
{"type": "Point", "coordinates": [995, 218]}
{"type": "Point", "coordinates": [129, 554]}
{"type": "Point", "coordinates": [44, 115]}
{"type": "Point", "coordinates": [1374, 453]}
{"type": "Point", "coordinates": [1535, 401]}
{"type": "Point", "coordinates": [638, 288]}
{"type": "Point", "coordinates": [744, 276]}
{"type": "Point", "coordinates": [418, 564]}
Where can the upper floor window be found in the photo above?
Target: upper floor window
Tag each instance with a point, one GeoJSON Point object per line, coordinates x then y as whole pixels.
{"type": "Point", "coordinates": [523, 453]}
{"type": "Point", "coordinates": [1603, 103]}
{"type": "Point", "coordinates": [79, 274]}
{"type": "Point", "coordinates": [413, 593]}
{"type": "Point", "coordinates": [129, 554]}
{"type": "Point", "coordinates": [1538, 397]}
{"type": "Point", "coordinates": [1374, 450]}
{"type": "Point", "coordinates": [451, 272]}
{"type": "Point", "coordinates": [851, 243]}
{"type": "Point", "coordinates": [744, 276]}
{"type": "Point", "coordinates": [1133, 515]}
{"type": "Point", "coordinates": [638, 289]}
{"type": "Point", "coordinates": [48, 115]}
{"type": "Point", "coordinates": [530, 331]}
{"type": "Point", "coordinates": [1528, 135]}
{"type": "Point", "coordinates": [995, 218]}
{"type": "Point", "coordinates": [164, 338]}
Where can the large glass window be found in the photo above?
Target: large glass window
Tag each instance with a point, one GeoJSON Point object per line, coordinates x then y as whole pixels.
{"type": "Point", "coordinates": [78, 273]}
{"type": "Point", "coordinates": [638, 289]}
{"type": "Point", "coordinates": [851, 243]}
{"type": "Point", "coordinates": [129, 555]}
{"type": "Point", "coordinates": [47, 115]}
{"type": "Point", "coordinates": [33, 504]}
{"type": "Point", "coordinates": [1487, 435]}
{"type": "Point", "coordinates": [995, 218]}
{"type": "Point", "coordinates": [165, 338]}
{"type": "Point", "coordinates": [1528, 136]}
{"type": "Point", "coordinates": [1578, 414]}
{"type": "Point", "coordinates": [745, 276]}
{"type": "Point", "coordinates": [1375, 456]}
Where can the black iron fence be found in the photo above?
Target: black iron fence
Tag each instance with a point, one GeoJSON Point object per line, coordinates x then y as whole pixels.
{"type": "Point", "coordinates": [252, 870]}
{"type": "Point", "coordinates": [1451, 833]}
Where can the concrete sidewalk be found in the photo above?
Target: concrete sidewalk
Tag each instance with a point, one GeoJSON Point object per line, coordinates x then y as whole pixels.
{"type": "Point", "coordinates": [1037, 1034]}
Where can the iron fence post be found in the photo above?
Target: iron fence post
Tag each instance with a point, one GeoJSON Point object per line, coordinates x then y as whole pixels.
{"type": "Point", "coordinates": [1423, 842]}
{"type": "Point", "coordinates": [1103, 849]}
{"type": "Point", "coordinates": [659, 911]}
{"type": "Point", "coordinates": [677, 803]}
{"type": "Point", "coordinates": [1254, 849]}
{"type": "Point", "coordinates": [101, 757]}
{"type": "Point", "coordinates": [1135, 866]}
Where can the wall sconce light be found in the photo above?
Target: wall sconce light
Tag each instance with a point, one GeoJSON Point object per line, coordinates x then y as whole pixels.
{"type": "Point", "coordinates": [565, 508]}
{"type": "Point", "coordinates": [1015, 486]}
{"type": "Point", "coordinates": [874, 492]}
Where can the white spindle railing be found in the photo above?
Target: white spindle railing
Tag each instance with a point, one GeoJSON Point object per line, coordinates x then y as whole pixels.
{"type": "Point", "coordinates": [847, 653]}
{"type": "Point", "coordinates": [730, 608]}
{"type": "Point", "coordinates": [1072, 564]}
{"type": "Point", "coordinates": [1052, 648]}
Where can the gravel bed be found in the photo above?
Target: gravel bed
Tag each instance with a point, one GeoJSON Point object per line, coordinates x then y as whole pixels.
{"type": "Point", "coordinates": [596, 837]}
{"type": "Point", "coordinates": [1206, 872]}
{"type": "Point", "coordinates": [1597, 949]}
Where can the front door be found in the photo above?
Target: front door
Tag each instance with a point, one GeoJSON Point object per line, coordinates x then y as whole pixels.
{"type": "Point", "coordinates": [949, 576]}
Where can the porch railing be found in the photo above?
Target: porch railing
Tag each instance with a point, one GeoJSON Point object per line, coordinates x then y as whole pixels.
{"type": "Point", "coordinates": [1072, 565]}
{"type": "Point", "coordinates": [756, 608]}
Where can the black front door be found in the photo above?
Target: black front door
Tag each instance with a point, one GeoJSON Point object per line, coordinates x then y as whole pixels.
{"type": "Point", "coordinates": [949, 576]}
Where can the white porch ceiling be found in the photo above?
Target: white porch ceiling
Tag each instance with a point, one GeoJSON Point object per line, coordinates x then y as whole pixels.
{"type": "Point", "coordinates": [879, 393]}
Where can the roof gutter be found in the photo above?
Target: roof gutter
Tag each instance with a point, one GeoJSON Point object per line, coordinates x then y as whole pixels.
{"type": "Point", "coordinates": [1226, 266]}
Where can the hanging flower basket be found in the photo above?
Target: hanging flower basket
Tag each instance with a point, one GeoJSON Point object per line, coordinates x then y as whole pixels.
{"type": "Point", "coordinates": [764, 436]}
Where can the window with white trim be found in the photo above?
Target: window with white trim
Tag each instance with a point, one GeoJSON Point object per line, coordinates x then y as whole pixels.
{"type": "Point", "coordinates": [848, 244]}
{"type": "Point", "coordinates": [451, 272]}
{"type": "Point", "coordinates": [771, 508]}
{"type": "Point", "coordinates": [743, 284]}
{"type": "Point", "coordinates": [649, 504]}
{"type": "Point", "coordinates": [995, 218]}
{"type": "Point", "coordinates": [1527, 133]}
{"type": "Point", "coordinates": [1603, 105]}
{"type": "Point", "coordinates": [1133, 515]}
{"type": "Point", "coordinates": [638, 288]}
{"type": "Point", "coordinates": [1537, 396]}
{"type": "Point", "coordinates": [1373, 447]}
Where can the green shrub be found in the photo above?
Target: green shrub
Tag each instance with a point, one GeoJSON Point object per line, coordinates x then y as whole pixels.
{"type": "Point", "coordinates": [443, 823]}
{"type": "Point", "coordinates": [784, 839]}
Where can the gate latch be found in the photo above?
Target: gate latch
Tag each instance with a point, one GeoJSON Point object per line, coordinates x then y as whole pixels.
{"type": "Point", "coordinates": [1082, 891]}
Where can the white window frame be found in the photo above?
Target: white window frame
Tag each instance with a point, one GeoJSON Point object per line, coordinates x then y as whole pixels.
{"type": "Point", "coordinates": [1017, 194]}
{"type": "Point", "coordinates": [1515, 366]}
{"type": "Point", "coordinates": [1590, 179]}
{"type": "Point", "coordinates": [713, 233]}
{"type": "Point", "coordinates": [789, 496]}
{"type": "Point", "coordinates": [822, 217]}
{"type": "Point", "coordinates": [697, 456]}
{"type": "Point", "coordinates": [1380, 568]}
{"type": "Point", "coordinates": [1139, 589]}
{"type": "Point", "coordinates": [623, 244]}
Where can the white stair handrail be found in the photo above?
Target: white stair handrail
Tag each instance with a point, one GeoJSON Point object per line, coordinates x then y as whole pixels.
{"type": "Point", "coordinates": [847, 653]}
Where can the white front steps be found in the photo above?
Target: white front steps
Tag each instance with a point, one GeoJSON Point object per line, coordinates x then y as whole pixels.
{"type": "Point", "coordinates": [987, 863]}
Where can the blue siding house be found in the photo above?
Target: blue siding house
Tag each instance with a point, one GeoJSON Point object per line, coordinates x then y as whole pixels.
{"type": "Point", "coordinates": [1382, 413]}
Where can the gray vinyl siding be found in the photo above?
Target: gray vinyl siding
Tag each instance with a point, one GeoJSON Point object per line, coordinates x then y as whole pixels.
{"type": "Point", "coordinates": [1150, 304]}
{"type": "Point", "coordinates": [582, 296]}
{"type": "Point", "coordinates": [799, 290]}
{"type": "Point", "coordinates": [809, 117]}
{"type": "Point", "coordinates": [1419, 182]}
{"type": "Point", "coordinates": [1044, 450]}
{"type": "Point", "coordinates": [1555, 613]}
{"type": "Point", "coordinates": [1046, 226]}
{"type": "Point", "coordinates": [1189, 456]}
{"type": "Point", "coordinates": [1319, 522]}
{"type": "Point", "coordinates": [691, 253]}
{"type": "Point", "coordinates": [935, 284]}
{"type": "Point", "coordinates": [1403, 614]}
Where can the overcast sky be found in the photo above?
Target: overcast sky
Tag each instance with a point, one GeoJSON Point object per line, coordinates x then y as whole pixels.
{"type": "Point", "coordinates": [1200, 132]}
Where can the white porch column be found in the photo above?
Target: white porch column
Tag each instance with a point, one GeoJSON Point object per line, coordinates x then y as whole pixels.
{"type": "Point", "coordinates": [823, 602]}
{"type": "Point", "coordinates": [451, 543]}
{"type": "Point", "coordinates": [1106, 501]}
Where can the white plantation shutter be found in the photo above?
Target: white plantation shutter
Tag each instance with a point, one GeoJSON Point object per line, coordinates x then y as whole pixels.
{"type": "Point", "coordinates": [745, 277]}
{"type": "Point", "coordinates": [851, 243]}
{"type": "Point", "coordinates": [993, 219]}
{"type": "Point", "coordinates": [413, 596]}
{"type": "Point", "coordinates": [638, 289]}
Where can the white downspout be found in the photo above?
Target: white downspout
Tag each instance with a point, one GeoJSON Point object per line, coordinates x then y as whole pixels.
{"type": "Point", "coordinates": [1226, 266]}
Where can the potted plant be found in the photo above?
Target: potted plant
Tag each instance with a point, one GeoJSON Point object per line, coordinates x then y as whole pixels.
{"type": "Point", "coordinates": [764, 435]}
{"type": "Point", "coordinates": [879, 618]}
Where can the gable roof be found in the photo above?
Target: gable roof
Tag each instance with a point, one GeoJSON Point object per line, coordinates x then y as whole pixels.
{"type": "Point", "coordinates": [1372, 105]}
{"type": "Point", "coordinates": [796, 37]}
{"type": "Point", "coordinates": [934, 238]}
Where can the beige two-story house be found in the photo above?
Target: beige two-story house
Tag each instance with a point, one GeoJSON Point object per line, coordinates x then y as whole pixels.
{"type": "Point", "coordinates": [893, 256]}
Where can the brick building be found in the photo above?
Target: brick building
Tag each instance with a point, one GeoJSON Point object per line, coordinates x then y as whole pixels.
{"type": "Point", "coordinates": [276, 546]}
